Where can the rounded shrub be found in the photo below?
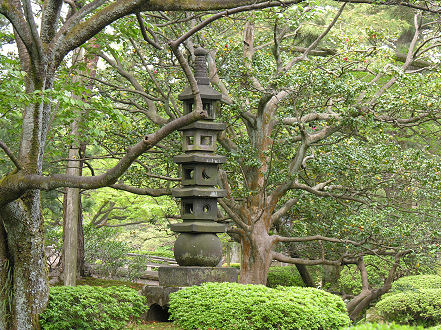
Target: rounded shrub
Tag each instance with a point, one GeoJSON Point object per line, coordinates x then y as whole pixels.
{"type": "Point", "coordinates": [284, 276]}
{"type": "Point", "coordinates": [238, 306]}
{"type": "Point", "coordinates": [91, 308]}
{"type": "Point", "coordinates": [416, 282]}
{"type": "Point", "coordinates": [421, 307]}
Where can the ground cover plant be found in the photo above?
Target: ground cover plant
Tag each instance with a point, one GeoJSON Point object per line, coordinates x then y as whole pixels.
{"type": "Point", "coordinates": [422, 307]}
{"type": "Point", "coordinates": [238, 306]}
{"type": "Point", "coordinates": [414, 300]}
{"type": "Point", "coordinates": [377, 326]}
{"type": "Point", "coordinates": [415, 283]}
{"type": "Point", "coordinates": [91, 308]}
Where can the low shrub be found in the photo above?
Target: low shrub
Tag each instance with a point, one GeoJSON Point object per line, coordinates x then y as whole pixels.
{"type": "Point", "coordinates": [377, 326]}
{"type": "Point", "coordinates": [238, 306]}
{"type": "Point", "coordinates": [284, 276]}
{"type": "Point", "coordinates": [415, 283]}
{"type": "Point", "coordinates": [421, 307]}
{"type": "Point", "coordinates": [91, 308]}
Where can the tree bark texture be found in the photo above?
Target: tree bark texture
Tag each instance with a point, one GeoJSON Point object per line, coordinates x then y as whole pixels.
{"type": "Point", "coordinates": [26, 257]}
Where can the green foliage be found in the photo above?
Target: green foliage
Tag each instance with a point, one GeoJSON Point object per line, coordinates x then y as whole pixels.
{"type": "Point", "coordinates": [284, 276]}
{"type": "Point", "coordinates": [237, 306]}
{"type": "Point", "coordinates": [161, 251]}
{"type": "Point", "coordinates": [376, 326]}
{"type": "Point", "coordinates": [377, 269]}
{"type": "Point", "coordinates": [104, 250]}
{"type": "Point", "coordinates": [105, 283]}
{"type": "Point", "coordinates": [86, 307]}
{"type": "Point", "coordinates": [233, 265]}
{"type": "Point", "coordinates": [422, 307]}
{"type": "Point", "coordinates": [416, 283]}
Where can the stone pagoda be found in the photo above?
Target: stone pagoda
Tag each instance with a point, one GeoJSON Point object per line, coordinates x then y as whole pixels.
{"type": "Point", "coordinates": [197, 244]}
{"type": "Point", "coordinates": [198, 250]}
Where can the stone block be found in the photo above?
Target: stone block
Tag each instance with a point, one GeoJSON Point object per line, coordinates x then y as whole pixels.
{"type": "Point", "coordinates": [188, 276]}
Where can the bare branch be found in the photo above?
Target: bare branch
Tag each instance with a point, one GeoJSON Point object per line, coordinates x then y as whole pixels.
{"type": "Point", "coordinates": [20, 183]}
{"type": "Point", "coordinates": [10, 155]}
{"type": "Point", "coordinates": [142, 191]}
{"type": "Point", "coordinates": [315, 43]}
{"type": "Point", "coordinates": [144, 30]}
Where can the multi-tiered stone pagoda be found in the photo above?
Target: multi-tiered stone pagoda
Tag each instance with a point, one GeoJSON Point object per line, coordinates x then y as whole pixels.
{"type": "Point", "coordinates": [197, 244]}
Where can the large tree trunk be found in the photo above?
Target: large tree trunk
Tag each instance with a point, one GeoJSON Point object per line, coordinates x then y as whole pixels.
{"type": "Point", "coordinates": [71, 216]}
{"type": "Point", "coordinates": [26, 258]}
{"type": "Point", "coordinates": [5, 284]}
{"type": "Point", "coordinates": [256, 256]}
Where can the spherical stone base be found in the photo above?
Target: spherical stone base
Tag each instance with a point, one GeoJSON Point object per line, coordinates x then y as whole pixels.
{"type": "Point", "coordinates": [198, 249]}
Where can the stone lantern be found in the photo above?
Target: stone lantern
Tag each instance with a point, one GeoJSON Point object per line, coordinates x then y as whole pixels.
{"type": "Point", "coordinates": [197, 250]}
{"type": "Point", "coordinates": [198, 244]}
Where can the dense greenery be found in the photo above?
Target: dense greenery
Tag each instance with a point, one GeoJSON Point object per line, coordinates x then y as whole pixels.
{"type": "Point", "coordinates": [376, 326]}
{"type": "Point", "coordinates": [91, 308]}
{"type": "Point", "coordinates": [237, 306]}
{"type": "Point", "coordinates": [284, 276]}
{"type": "Point", "coordinates": [422, 307]}
{"type": "Point", "coordinates": [416, 283]}
{"type": "Point", "coordinates": [413, 300]}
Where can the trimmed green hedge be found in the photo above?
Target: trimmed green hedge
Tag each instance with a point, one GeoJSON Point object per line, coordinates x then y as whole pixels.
{"type": "Point", "coordinates": [284, 276]}
{"type": "Point", "coordinates": [414, 283]}
{"type": "Point", "coordinates": [91, 308]}
{"type": "Point", "coordinates": [377, 326]}
{"type": "Point", "coordinates": [421, 307]}
{"type": "Point", "coordinates": [238, 306]}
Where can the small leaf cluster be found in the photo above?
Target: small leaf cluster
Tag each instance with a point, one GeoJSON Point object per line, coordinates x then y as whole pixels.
{"type": "Point", "coordinates": [87, 307]}
{"type": "Point", "coordinates": [414, 300]}
{"type": "Point", "coordinates": [238, 306]}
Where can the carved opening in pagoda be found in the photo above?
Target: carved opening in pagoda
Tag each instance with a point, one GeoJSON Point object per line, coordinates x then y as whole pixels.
{"type": "Point", "coordinates": [188, 208]}
{"type": "Point", "coordinates": [205, 176]}
{"type": "Point", "coordinates": [189, 173]}
{"type": "Point", "coordinates": [188, 107]}
{"type": "Point", "coordinates": [190, 140]}
{"type": "Point", "coordinates": [206, 140]}
{"type": "Point", "coordinates": [209, 108]}
{"type": "Point", "coordinates": [206, 208]}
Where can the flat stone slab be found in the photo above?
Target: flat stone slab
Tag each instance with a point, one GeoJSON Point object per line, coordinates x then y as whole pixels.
{"type": "Point", "coordinates": [158, 294]}
{"type": "Point", "coordinates": [187, 276]}
{"type": "Point", "coordinates": [198, 192]}
{"type": "Point", "coordinates": [205, 125]}
{"type": "Point", "coordinates": [198, 227]}
{"type": "Point", "coordinates": [199, 158]}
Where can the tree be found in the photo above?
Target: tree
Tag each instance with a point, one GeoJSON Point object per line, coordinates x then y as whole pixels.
{"type": "Point", "coordinates": [43, 42]}
{"type": "Point", "coordinates": [42, 47]}
{"type": "Point", "coordinates": [292, 107]}
{"type": "Point", "coordinates": [312, 113]}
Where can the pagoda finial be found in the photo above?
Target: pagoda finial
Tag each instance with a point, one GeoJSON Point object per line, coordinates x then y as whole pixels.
{"type": "Point", "coordinates": [200, 67]}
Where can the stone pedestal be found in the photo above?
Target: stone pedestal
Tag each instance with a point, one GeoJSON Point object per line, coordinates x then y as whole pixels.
{"type": "Point", "coordinates": [188, 276]}
{"type": "Point", "coordinates": [172, 279]}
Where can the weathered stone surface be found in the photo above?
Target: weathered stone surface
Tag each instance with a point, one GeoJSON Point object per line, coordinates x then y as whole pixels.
{"type": "Point", "coordinates": [205, 125]}
{"type": "Point", "coordinates": [206, 91]}
{"type": "Point", "coordinates": [198, 192]}
{"type": "Point", "coordinates": [158, 294]}
{"type": "Point", "coordinates": [187, 276]}
{"type": "Point", "coordinates": [199, 158]}
{"type": "Point", "coordinates": [198, 227]}
{"type": "Point", "coordinates": [198, 249]}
